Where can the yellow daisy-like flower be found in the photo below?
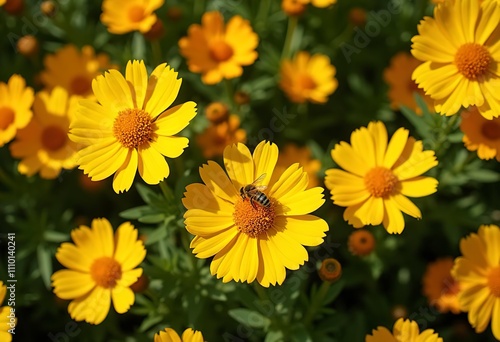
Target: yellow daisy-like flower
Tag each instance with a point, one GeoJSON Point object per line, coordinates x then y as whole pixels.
{"type": "Point", "coordinates": [130, 128]}
{"type": "Point", "coordinates": [439, 286]}
{"type": "Point", "coordinates": [480, 134]}
{"type": "Point", "coordinates": [403, 331]}
{"type": "Point", "coordinates": [478, 272]}
{"type": "Point", "coordinates": [169, 335]}
{"type": "Point", "coordinates": [15, 107]}
{"type": "Point", "coordinates": [401, 86]}
{"type": "Point", "coordinates": [121, 16]}
{"type": "Point", "coordinates": [101, 269]}
{"type": "Point", "coordinates": [318, 3]}
{"type": "Point", "coordinates": [7, 319]}
{"type": "Point", "coordinates": [219, 52]}
{"type": "Point", "coordinates": [253, 235]}
{"type": "Point", "coordinates": [460, 48]}
{"type": "Point", "coordinates": [308, 78]}
{"type": "Point", "coordinates": [44, 145]}
{"type": "Point", "coordinates": [292, 153]}
{"type": "Point", "coordinates": [379, 176]}
{"type": "Point", "coordinates": [73, 69]}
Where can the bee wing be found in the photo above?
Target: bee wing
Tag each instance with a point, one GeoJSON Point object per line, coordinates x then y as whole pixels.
{"type": "Point", "coordinates": [260, 179]}
{"type": "Point", "coordinates": [261, 187]}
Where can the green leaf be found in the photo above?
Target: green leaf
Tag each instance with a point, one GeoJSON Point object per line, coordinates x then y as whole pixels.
{"type": "Point", "coordinates": [420, 126]}
{"type": "Point", "coordinates": [334, 291]}
{"type": "Point", "coordinates": [250, 318]}
{"type": "Point", "coordinates": [274, 336]}
{"type": "Point", "coordinates": [153, 218]}
{"type": "Point", "coordinates": [135, 213]}
{"type": "Point", "coordinates": [146, 193]}
{"type": "Point", "coordinates": [138, 46]}
{"type": "Point", "coordinates": [44, 264]}
{"type": "Point", "coordinates": [299, 333]}
{"type": "Point", "coordinates": [53, 236]}
{"type": "Point", "coordinates": [484, 176]}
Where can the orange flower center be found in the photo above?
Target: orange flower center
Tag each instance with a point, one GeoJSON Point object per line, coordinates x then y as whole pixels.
{"type": "Point", "coordinates": [53, 138]}
{"type": "Point", "coordinates": [80, 85]}
{"type": "Point", "coordinates": [136, 13]}
{"type": "Point", "coordinates": [472, 60]}
{"type": "Point", "coordinates": [494, 281]}
{"type": "Point", "coordinates": [220, 51]}
{"type": "Point", "coordinates": [253, 220]}
{"type": "Point", "coordinates": [381, 182]}
{"type": "Point", "coordinates": [6, 117]}
{"type": "Point", "coordinates": [490, 130]}
{"type": "Point", "coordinates": [106, 271]}
{"type": "Point", "coordinates": [306, 82]}
{"type": "Point", "coordinates": [133, 128]}
{"type": "Point", "coordinates": [330, 270]}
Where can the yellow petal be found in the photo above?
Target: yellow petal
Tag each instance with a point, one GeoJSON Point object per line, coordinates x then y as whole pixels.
{"type": "Point", "coordinates": [289, 252]}
{"type": "Point", "coordinates": [345, 156]}
{"type": "Point", "coordinates": [168, 335]}
{"type": "Point", "coordinates": [378, 133]}
{"type": "Point", "coordinates": [129, 277]}
{"type": "Point", "coordinates": [495, 319]}
{"type": "Point", "coordinates": [308, 230]}
{"type": "Point", "coordinates": [73, 257]}
{"type": "Point", "coordinates": [163, 87]}
{"type": "Point", "coordinates": [103, 238]}
{"type": "Point", "coordinates": [137, 75]}
{"type": "Point", "coordinates": [239, 165]}
{"type": "Point", "coordinates": [491, 234]}
{"type": "Point", "coordinates": [123, 298]}
{"type": "Point", "coordinates": [221, 263]}
{"type": "Point", "coordinates": [153, 167]}
{"type": "Point", "coordinates": [363, 145]}
{"type": "Point", "coordinates": [124, 176]}
{"type": "Point", "coordinates": [474, 249]}
{"type": "Point", "coordinates": [381, 334]}
{"type": "Point", "coordinates": [292, 182]}
{"type": "Point", "coordinates": [249, 263]}
{"type": "Point", "coordinates": [481, 310]}
{"type": "Point", "coordinates": [419, 186]}
{"type": "Point", "coordinates": [112, 91]}
{"type": "Point", "coordinates": [218, 182]}
{"type": "Point", "coordinates": [175, 119]}
{"type": "Point", "coordinates": [395, 147]}
{"type": "Point", "coordinates": [92, 308]}
{"type": "Point", "coordinates": [70, 284]}
{"type": "Point", "coordinates": [171, 147]}
{"type": "Point", "coordinates": [301, 203]}
{"type": "Point", "coordinates": [199, 196]}
{"type": "Point", "coordinates": [406, 206]}
{"type": "Point", "coordinates": [130, 251]}
{"type": "Point", "coordinates": [190, 335]}
{"type": "Point", "coordinates": [200, 222]}
{"type": "Point", "coordinates": [212, 245]}
{"type": "Point", "coordinates": [265, 157]}
{"type": "Point", "coordinates": [393, 218]}
{"type": "Point", "coordinates": [271, 271]}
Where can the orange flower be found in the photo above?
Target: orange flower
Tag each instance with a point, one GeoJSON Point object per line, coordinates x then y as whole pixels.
{"type": "Point", "coordinates": [293, 7]}
{"type": "Point", "coordinates": [361, 242]}
{"type": "Point", "coordinates": [217, 136]}
{"type": "Point", "coordinates": [122, 16]}
{"type": "Point", "coordinates": [439, 286]}
{"type": "Point", "coordinates": [401, 86]}
{"type": "Point", "coordinates": [330, 270]}
{"type": "Point", "coordinates": [480, 134]}
{"type": "Point", "coordinates": [216, 51]}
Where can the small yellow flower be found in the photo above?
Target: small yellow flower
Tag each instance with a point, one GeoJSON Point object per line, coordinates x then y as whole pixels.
{"type": "Point", "coordinates": [43, 145]}
{"type": "Point", "coordinates": [439, 286]}
{"type": "Point", "coordinates": [378, 177]}
{"type": "Point", "coordinates": [130, 128]}
{"type": "Point", "coordinates": [461, 54]}
{"type": "Point", "coordinates": [101, 269]}
{"type": "Point", "coordinates": [169, 335]}
{"type": "Point", "coordinates": [403, 331]}
{"type": "Point", "coordinates": [480, 134]}
{"type": "Point", "coordinates": [73, 69]}
{"type": "Point", "coordinates": [319, 3]}
{"type": "Point", "coordinates": [308, 78]}
{"type": "Point", "coordinates": [216, 51]}
{"type": "Point", "coordinates": [5, 320]}
{"type": "Point", "coordinates": [478, 272]}
{"type": "Point", "coordinates": [122, 16]}
{"type": "Point", "coordinates": [15, 107]}
{"type": "Point", "coordinates": [253, 237]}
{"type": "Point", "coordinates": [401, 86]}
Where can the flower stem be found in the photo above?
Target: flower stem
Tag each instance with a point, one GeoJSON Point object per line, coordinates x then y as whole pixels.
{"type": "Point", "coordinates": [230, 93]}
{"type": "Point", "coordinates": [156, 51]}
{"type": "Point", "coordinates": [316, 302]}
{"type": "Point", "coordinates": [167, 193]}
{"type": "Point", "coordinates": [292, 25]}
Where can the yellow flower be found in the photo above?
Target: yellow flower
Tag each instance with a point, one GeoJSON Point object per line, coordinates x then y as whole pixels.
{"type": "Point", "coordinates": [480, 134]}
{"type": "Point", "coordinates": [401, 86]}
{"type": "Point", "coordinates": [44, 145]}
{"type": "Point", "coordinates": [403, 331]}
{"type": "Point", "coordinates": [15, 107]}
{"type": "Point", "coordinates": [169, 335]}
{"type": "Point", "coordinates": [130, 15]}
{"type": "Point", "coordinates": [73, 69]}
{"type": "Point", "coordinates": [130, 128]}
{"type": "Point", "coordinates": [292, 153]}
{"type": "Point", "coordinates": [439, 286]}
{"type": "Point", "coordinates": [101, 269]}
{"type": "Point", "coordinates": [293, 7]}
{"type": "Point", "coordinates": [5, 320]}
{"type": "Point", "coordinates": [219, 52]}
{"type": "Point", "coordinates": [318, 3]}
{"type": "Point", "coordinates": [379, 176]}
{"type": "Point", "coordinates": [308, 78]}
{"type": "Point", "coordinates": [218, 135]}
{"type": "Point", "coordinates": [251, 239]}
{"type": "Point", "coordinates": [461, 54]}
{"type": "Point", "coordinates": [478, 272]}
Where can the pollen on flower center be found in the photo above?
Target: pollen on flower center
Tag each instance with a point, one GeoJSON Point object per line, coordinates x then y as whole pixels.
{"type": "Point", "coordinates": [253, 220]}
{"type": "Point", "coordinates": [472, 60]}
{"type": "Point", "coordinates": [490, 130]}
{"type": "Point", "coordinates": [106, 272]}
{"type": "Point", "coordinates": [220, 51]}
{"type": "Point", "coordinates": [53, 138]}
{"type": "Point", "coordinates": [380, 181]}
{"type": "Point", "coordinates": [136, 13]}
{"type": "Point", "coordinates": [494, 281]}
{"type": "Point", "coordinates": [80, 85]}
{"type": "Point", "coordinates": [306, 82]}
{"type": "Point", "coordinates": [6, 117]}
{"type": "Point", "coordinates": [133, 128]}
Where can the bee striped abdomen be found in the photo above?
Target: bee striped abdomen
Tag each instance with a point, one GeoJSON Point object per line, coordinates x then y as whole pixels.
{"type": "Point", "coordinates": [263, 200]}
